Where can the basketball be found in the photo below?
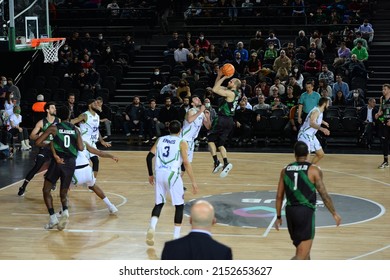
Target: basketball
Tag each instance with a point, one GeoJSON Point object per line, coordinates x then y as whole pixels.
{"type": "Point", "coordinates": [228, 69]}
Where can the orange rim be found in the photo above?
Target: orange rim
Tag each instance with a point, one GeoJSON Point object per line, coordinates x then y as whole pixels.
{"type": "Point", "coordinates": [36, 42]}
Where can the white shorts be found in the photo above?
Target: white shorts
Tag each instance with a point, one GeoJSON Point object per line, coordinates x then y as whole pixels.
{"type": "Point", "coordinates": [311, 141]}
{"type": "Point", "coordinates": [93, 145]}
{"type": "Point", "coordinates": [84, 177]}
{"type": "Point", "coordinates": [169, 182]}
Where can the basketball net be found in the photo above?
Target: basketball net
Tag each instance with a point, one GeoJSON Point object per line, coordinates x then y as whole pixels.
{"type": "Point", "coordinates": [50, 50]}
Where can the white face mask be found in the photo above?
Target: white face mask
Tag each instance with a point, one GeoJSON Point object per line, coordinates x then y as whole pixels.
{"type": "Point", "coordinates": [207, 105]}
{"type": "Point", "coordinates": [4, 83]}
{"type": "Point", "coordinates": [156, 73]}
{"type": "Point", "coordinates": [201, 37]}
{"type": "Point", "coordinates": [296, 70]}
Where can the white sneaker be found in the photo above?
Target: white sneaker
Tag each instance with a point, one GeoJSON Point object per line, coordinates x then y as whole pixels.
{"type": "Point", "coordinates": [150, 237]}
{"type": "Point", "coordinates": [63, 220]}
{"type": "Point", "coordinates": [226, 170]}
{"type": "Point", "coordinates": [217, 168]}
{"type": "Point", "coordinates": [53, 222]}
{"type": "Point", "coordinates": [112, 209]}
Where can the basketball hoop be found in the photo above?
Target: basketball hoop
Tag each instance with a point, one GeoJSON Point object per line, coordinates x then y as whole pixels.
{"type": "Point", "coordinates": [50, 50]}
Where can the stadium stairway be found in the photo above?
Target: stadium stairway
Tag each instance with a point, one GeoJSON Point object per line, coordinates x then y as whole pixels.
{"type": "Point", "coordinates": [379, 52]}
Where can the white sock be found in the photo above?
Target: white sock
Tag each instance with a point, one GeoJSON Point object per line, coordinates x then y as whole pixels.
{"type": "Point", "coordinates": [107, 201]}
{"type": "Point", "coordinates": [176, 232]}
{"type": "Point", "coordinates": [153, 222]}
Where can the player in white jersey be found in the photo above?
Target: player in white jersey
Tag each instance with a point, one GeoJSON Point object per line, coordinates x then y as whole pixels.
{"type": "Point", "coordinates": [308, 130]}
{"type": "Point", "coordinates": [170, 152]}
{"type": "Point", "coordinates": [193, 121]}
{"type": "Point", "coordinates": [89, 125]}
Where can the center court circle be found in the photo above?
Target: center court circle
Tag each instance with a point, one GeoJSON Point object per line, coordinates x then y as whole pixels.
{"type": "Point", "coordinates": [257, 209]}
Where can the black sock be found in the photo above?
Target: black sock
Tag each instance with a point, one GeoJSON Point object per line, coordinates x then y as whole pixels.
{"type": "Point", "coordinates": [64, 208]}
{"type": "Point", "coordinates": [25, 184]}
{"type": "Point", "coordinates": [215, 160]}
{"type": "Point", "coordinates": [225, 161]}
{"type": "Point", "coordinates": [51, 211]}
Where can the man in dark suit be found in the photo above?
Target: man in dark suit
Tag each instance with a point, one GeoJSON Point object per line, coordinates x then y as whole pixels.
{"type": "Point", "coordinates": [367, 118]}
{"type": "Point", "coordinates": [198, 244]}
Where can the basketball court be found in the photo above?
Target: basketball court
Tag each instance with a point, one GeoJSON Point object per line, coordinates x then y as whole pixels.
{"type": "Point", "coordinates": [244, 203]}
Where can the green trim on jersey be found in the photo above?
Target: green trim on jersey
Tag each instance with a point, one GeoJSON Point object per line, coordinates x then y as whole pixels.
{"type": "Point", "coordinates": [228, 108]}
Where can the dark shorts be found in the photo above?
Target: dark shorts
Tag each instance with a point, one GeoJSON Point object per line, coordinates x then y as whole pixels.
{"type": "Point", "coordinates": [300, 223]}
{"type": "Point", "coordinates": [61, 171]}
{"type": "Point", "coordinates": [45, 153]}
{"type": "Point", "coordinates": [220, 130]}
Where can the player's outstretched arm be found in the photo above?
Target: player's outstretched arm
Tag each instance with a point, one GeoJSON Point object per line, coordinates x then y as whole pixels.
{"type": "Point", "coordinates": [100, 153]}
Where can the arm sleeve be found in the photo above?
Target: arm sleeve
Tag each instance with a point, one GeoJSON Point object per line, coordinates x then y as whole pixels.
{"type": "Point", "coordinates": [149, 163]}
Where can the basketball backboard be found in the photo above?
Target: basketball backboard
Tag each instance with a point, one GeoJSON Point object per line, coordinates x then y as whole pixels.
{"type": "Point", "coordinates": [24, 20]}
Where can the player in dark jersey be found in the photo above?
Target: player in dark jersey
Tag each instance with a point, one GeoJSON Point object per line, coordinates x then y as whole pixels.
{"type": "Point", "coordinates": [223, 123]}
{"type": "Point", "coordinates": [384, 116]}
{"type": "Point", "coordinates": [66, 142]}
{"type": "Point", "coordinates": [299, 181]}
{"type": "Point", "coordinates": [44, 153]}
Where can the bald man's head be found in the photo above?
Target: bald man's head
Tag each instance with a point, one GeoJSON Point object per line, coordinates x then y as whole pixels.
{"type": "Point", "coordinates": [202, 214]}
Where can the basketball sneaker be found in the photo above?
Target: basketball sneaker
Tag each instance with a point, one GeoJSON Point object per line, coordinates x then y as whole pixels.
{"type": "Point", "coordinates": [217, 167]}
{"type": "Point", "coordinates": [63, 220]}
{"type": "Point", "coordinates": [21, 191]}
{"type": "Point", "coordinates": [53, 222]}
{"type": "Point", "coordinates": [112, 209]}
{"type": "Point", "coordinates": [385, 164]}
{"type": "Point", "coordinates": [150, 237]}
{"type": "Point", "coordinates": [226, 170]}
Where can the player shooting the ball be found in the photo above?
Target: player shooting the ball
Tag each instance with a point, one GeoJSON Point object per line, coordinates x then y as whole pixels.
{"type": "Point", "coordinates": [223, 123]}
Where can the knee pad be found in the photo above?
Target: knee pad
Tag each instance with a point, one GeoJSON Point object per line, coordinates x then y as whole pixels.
{"type": "Point", "coordinates": [179, 209]}
{"type": "Point", "coordinates": [157, 210]}
{"type": "Point", "coordinates": [95, 163]}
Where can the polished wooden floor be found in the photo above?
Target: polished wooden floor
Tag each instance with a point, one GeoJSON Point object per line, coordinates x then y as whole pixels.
{"type": "Point", "coordinates": [94, 234]}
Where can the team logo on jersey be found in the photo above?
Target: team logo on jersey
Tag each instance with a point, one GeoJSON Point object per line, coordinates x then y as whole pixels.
{"type": "Point", "coordinates": [257, 209]}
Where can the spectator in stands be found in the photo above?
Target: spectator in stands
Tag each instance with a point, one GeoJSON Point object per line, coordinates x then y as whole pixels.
{"type": "Point", "coordinates": [270, 54]}
{"type": "Point", "coordinates": [226, 54]}
{"type": "Point", "coordinates": [107, 57]}
{"type": "Point", "coordinates": [197, 51]}
{"type": "Point", "coordinates": [361, 53]}
{"type": "Point", "coordinates": [290, 51]}
{"type": "Point", "coordinates": [72, 106]}
{"type": "Point", "coordinates": [114, 8]}
{"type": "Point", "coordinates": [172, 45]}
{"type": "Point", "coordinates": [274, 93]}
{"type": "Point", "coordinates": [75, 43]}
{"type": "Point", "coordinates": [367, 31]}
{"type": "Point", "coordinates": [181, 54]}
{"type": "Point", "coordinates": [15, 91]}
{"type": "Point", "coordinates": [193, 10]}
{"type": "Point", "coordinates": [253, 66]}
{"type": "Point", "coordinates": [209, 94]}
{"type": "Point", "coordinates": [246, 90]}
{"type": "Point", "coordinates": [65, 55]}
{"type": "Point", "coordinates": [313, 66]}
{"type": "Point", "coordinates": [105, 118]}
{"type": "Point", "coordinates": [298, 12]}
{"type": "Point", "coordinates": [367, 119]}
{"type": "Point", "coordinates": [323, 85]}
{"type": "Point", "coordinates": [257, 43]}
{"type": "Point", "coordinates": [319, 17]}
{"type": "Point", "coordinates": [168, 113]}
{"type": "Point", "coordinates": [151, 121]}
{"type": "Point", "coordinates": [282, 75]}
{"type": "Point", "coordinates": [101, 43]}
{"type": "Point", "coordinates": [343, 53]}
{"type": "Point", "coordinates": [14, 127]}
{"type": "Point", "coordinates": [243, 122]}
{"type": "Point", "coordinates": [296, 72]}
{"type": "Point", "coordinates": [359, 38]}
{"type": "Point", "coordinates": [301, 42]}
{"type": "Point", "coordinates": [340, 85]}
{"type": "Point", "coordinates": [189, 41]}
{"type": "Point", "coordinates": [87, 62]}
{"type": "Point", "coordinates": [327, 75]}
{"type": "Point", "coordinates": [134, 118]}
{"type": "Point", "coordinates": [307, 101]}
{"type": "Point", "coordinates": [264, 87]}
{"type": "Point", "coordinates": [356, 100]}
{"type": "Point", "coordinates": [157, 80]}
{"type": "Point", "coordinates": [282, 61]}
{"type": "Point", "coordinates": [212, 55]}
{"type": "Point", "coordinates": [297, 89]}
{"type": "Point", "coordinates": [209, 107]}
{"type": "Point", "coordinates": [316, 38]}
{"type": "Point", "coordinates": [244, 52]}
{"type": "Point", "coordinates": [330, 45]}
{"type": "Point", "coordinates": [339, 99]}
{"type": "Point", "coordinates": [202, 42]}
{"type": "Point", "coordinates": [261, 105]}
{"type": "Point", "coordinates": [355, 68]}
{"type": "Point", "coordinates": [289, 99]}
{"type": "Point", "coordinates": [183, 90]}
{"type": "Point", "coordinates": [239, 64]}
{"type": "Point", "coordinates": [317, 51]}
{"type": "Point", "coordinates": [183, 109]}
{"type": "Point", "coordinates": [89, 44]}
{"type": "Point", "coordinates": [272, 39]}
